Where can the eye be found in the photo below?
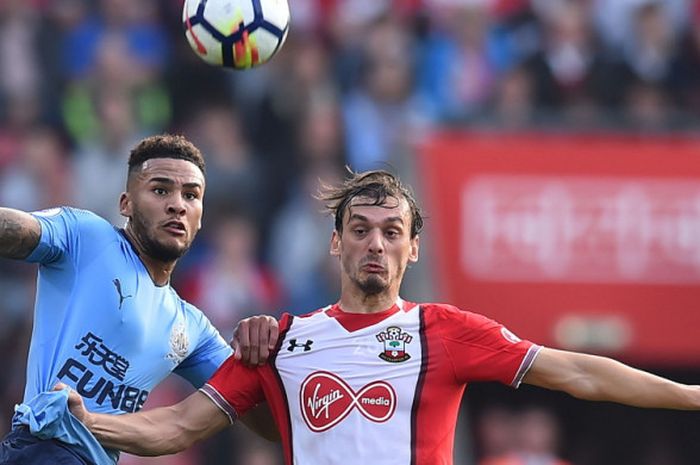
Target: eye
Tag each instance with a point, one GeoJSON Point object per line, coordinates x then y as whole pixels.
{"type": "Point", "coordinates": [359, 230]}
{"type": "Point", "coordinates": [392, 233]}
{"type": "Point", "coordinates": [191, 196]}
{"type": "Point", "coordinates": [159, 191]}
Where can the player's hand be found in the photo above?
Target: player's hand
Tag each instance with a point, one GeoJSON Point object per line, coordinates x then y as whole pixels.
{"type": "Point", "coordinates": [254, 338]}
{"type": "Point", "coordinates": [75, 403]}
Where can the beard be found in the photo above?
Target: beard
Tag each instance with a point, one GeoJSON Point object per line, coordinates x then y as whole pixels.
{"type": "Point", "coordinates": [372, 285]}
{"type": "Point", "coordinates": [143, 230]}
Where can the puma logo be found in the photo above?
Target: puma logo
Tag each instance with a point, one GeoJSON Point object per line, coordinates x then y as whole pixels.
{"type": "Point", "coordinates": [122, 297]}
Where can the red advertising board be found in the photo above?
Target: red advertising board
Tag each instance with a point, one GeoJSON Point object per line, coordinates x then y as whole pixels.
{"type": "Point", "coordinates": [583, 242]}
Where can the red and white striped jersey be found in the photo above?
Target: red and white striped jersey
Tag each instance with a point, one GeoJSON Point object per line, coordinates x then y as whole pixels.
{"type": "Point", "coordinates": [373, 388]}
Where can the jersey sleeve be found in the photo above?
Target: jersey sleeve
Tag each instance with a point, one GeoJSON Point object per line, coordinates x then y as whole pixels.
{"type": "Point", "coordinates": [66, 231]}
{"type": "Point", "coordinates": [235, 388]}
{"type": "Point", "coordinates": [481, 349]}
{"type": "Point", "coordinates": [209, 354]}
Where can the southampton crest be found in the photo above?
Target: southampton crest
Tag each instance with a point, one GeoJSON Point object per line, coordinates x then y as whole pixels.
{"type": "Point", "coordinates": [395, 341]}
{"type": "Point", "coordinates": [179, 344]}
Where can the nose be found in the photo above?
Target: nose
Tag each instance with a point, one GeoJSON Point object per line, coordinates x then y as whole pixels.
{"type": "Point", "coordinates": [176, 205]}
{"type": "Point", "coordinates": [376, 242]}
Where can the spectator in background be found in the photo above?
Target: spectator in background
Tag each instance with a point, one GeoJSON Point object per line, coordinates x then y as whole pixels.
{"type": "Point", "coordinates": [495, 434]}
{"type": "Point", "coordinates": [569, 73]}
{"type": "Point", "coordinates": [99, 161]}
{"type": "Point", "coordinates": [528, 437]}
{"type": "Point", "coordinates": [686, 71]}
{"type": "Point", "coordinates": [41, 176]}
{"type": "Point", "coordinates": [20, 75]}
{"type": "Point", "coordinates": [300, 78]}
{"type": "Point", "coordinates": [229, 281]}
{"type": "Point", "coordinates": [136, 21]}
{"type": "Point", "coordinates": [235, 172]}
{"type": "Point", "coordinates": [382, 113]}
{"type": "Point", "coordinates": [648, 59]}
{"type": "Point", "coordinates": [307, 273]}
{"type": "Point", "coordinates": [461, 61]}
{"type": "Point", "coordinates": [123, 49]}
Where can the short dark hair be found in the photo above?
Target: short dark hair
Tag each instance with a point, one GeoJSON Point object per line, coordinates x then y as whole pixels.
{"type": "Point", "coordinates": [165, 146]}
{"type": "Point", "coordinates": [377, 186]}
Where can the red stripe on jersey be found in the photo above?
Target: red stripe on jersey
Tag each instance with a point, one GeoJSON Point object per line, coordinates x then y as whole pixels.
{"type": "Point", "coordinates": [277, 396]}
{"type": "Point", "coordinates": [439, 396]}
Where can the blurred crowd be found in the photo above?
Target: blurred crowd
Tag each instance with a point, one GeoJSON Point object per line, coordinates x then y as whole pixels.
{"type": "Point", "coordinates": [359, 82]}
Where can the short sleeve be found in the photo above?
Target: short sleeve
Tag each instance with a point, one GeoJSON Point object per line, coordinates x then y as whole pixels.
{"type": "Point", "coordinates": [210, 353]}
{"type": "Point", "coordinates": [58, 235]}
{"type": "Point", "coordinates": [235, 388]}
{"type": "Point", "coordinates": [67, 232]}
{"type": "Point", "coordinates": [484, 350]}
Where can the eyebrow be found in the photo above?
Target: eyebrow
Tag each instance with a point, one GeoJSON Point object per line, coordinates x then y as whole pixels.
{"type": "Point", "coordinates": [358, 217]}
{"type": "Point", "coordinates": [189, 185]}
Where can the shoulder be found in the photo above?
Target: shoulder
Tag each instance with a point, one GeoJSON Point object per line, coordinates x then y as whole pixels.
{"type": "Point", "coordinates": [455, 319]}
{"type": "Point", "coordinates": [445, 312]}
{"type": "Point", "coordinates": [73, 217]}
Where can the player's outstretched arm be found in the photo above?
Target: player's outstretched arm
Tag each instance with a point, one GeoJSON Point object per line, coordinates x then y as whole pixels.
{"type": "Point", "coordinates": [592, 377]}
{"type": "Point", "coordinates": [160, 431]}
{"type": "Point", "coordinates": [19, 233]}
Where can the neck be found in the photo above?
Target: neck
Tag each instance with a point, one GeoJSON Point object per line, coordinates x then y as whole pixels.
{"type": "Point", "coordinates": [159, 271]}
{"type": "Point", "coordinates": [356, 301]}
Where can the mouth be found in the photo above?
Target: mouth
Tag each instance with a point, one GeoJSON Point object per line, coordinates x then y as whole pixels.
{"type": "Point", "coordinates": [373, 268]}
{"type": "Point", "coordinates": [176, 228]}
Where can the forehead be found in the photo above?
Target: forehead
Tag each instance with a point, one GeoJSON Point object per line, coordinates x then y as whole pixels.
{"type": "Point", "coordinates": [390, 209]}
{"type": "Point", "coordinates": [180, 171]}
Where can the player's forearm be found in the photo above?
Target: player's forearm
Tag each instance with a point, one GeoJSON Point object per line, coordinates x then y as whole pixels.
{"type": "Point", "coordinates": [151, 433]}
{"type": "Point", "coordinates": [160, 431]}
{"type": "Point", "coordinates": [19, 233]}
{"type": "Point", "coordinates": [608, 380]}
{"type": "Point", "coordinates": [596, 378]}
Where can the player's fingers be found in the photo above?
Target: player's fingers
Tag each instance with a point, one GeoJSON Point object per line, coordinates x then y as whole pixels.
{"type": "Point", "coordinates": [59, 386]}
{"type": "Point", "coordinates": [264, 338]}
{"type": "Point", "coordinates": [274, 334]}
{"type": "Point", "coordinates": [242, 340]}
{"type": "Point", "coordinates": [254, 353]}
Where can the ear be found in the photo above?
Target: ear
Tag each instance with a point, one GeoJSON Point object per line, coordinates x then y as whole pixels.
{"type": "Point", "coordinates": [335, 244]}
{"type": "Point", "coordinates": [413, 253]}
{"type": "Point", "coordinates": [125, 208]}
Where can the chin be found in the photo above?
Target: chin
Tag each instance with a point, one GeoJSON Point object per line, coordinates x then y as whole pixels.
{"type": "Point", "coordinates": [373, 285]}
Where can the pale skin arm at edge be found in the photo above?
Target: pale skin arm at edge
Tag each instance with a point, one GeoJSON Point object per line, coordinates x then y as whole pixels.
{"type": "Point", "coordinates": [596, 378]}
{"type": "Point", "coordinates": [20, 233]}
{"type": "Point", "coordinates": [160, 431]}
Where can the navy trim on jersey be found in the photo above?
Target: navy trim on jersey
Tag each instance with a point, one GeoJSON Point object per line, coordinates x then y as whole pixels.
{"type": "Point", "coordinates": [278, 378]}
{"type": "Point", "coordinates": [220, 402]}
{"type": "Point", "coordinates": [419, 385]}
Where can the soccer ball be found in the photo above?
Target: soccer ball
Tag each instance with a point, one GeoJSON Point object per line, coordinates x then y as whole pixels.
{"type": "Point", "coordinates": [237, 34]}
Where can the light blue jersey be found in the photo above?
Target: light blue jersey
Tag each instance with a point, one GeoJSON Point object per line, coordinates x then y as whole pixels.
{"type": "Point", "coordinates": [104, 328]}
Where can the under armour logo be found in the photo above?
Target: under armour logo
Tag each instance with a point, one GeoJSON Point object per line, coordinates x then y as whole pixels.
{"type": "Point", "coordinates": [122, 297]}
{"type": "Point", "coordinates": [293, 345]}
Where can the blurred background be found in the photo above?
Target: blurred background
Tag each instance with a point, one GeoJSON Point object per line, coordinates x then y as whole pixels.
{"type": "Point", "coordinates": [554, 145]}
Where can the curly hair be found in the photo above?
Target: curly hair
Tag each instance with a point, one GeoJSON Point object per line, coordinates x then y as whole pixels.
{"type": "Point", "coordinates": [165, 146]}
{"type": "Point", "coordinates": [376, 186]}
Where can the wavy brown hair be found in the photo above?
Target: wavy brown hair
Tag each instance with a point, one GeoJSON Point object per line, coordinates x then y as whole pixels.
{"type": "Point", "coordinates": [376, 186]}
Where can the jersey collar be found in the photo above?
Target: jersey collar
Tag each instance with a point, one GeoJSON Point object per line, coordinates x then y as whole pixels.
{"type": "Point", "coordinates": [356, 321]}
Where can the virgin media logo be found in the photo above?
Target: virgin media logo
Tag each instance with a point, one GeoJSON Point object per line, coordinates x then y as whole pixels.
{"type": "Point", "coordinates": [326, 400]}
